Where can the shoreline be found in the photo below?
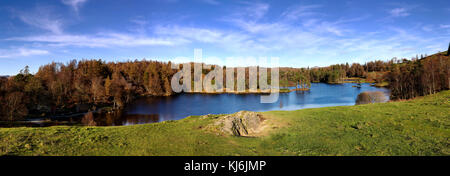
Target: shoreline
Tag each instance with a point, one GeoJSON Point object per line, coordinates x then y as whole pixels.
{"type": "Point", "coordinates": [67, 117]}
{"type": "Point", "coordinates": [279, 134]}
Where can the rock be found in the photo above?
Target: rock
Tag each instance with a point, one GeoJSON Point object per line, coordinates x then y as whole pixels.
{"type": "Point", "coordinates": [243, 123]}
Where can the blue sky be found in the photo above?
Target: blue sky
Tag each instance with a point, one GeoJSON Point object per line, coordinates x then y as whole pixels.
{"type": "Point", "coordinates": [301, 33]}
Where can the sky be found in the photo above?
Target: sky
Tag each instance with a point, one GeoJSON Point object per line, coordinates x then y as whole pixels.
{"type": "Point", "coordinates": [300, 33]}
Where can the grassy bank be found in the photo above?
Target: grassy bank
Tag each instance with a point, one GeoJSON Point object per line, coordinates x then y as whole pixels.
{"type": "Point", "coordinates": [416, 127]}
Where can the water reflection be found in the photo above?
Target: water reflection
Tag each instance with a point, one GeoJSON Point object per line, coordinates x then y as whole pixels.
{"type": "Point", "coordinates": [119, 118]}
{"type": "Point", "coordinates": [157, 109]}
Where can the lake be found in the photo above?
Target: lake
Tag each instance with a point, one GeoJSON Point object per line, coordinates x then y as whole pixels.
{"type": "Point", "coordinates": [158, 109]}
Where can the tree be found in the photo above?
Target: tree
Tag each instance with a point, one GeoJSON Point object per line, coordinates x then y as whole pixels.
{"type": "Point", "coordinates": [153, 79]}
{"type": "Point", "coordinates": [108, 86]}
{"type": "Point", "coordinates": [120, 89]}
{"type": "Point", "coordinates": [97, 88]}
{"type": "Point", "coordinates": [15, 106]}
{"type": "Point", "coordinates": [36, 93]}
{"type": "Point", "coordinates": [370, 97]}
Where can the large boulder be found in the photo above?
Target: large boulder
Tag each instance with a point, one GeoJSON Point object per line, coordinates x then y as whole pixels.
{"type": "Point", "coordinates": [243, 123]}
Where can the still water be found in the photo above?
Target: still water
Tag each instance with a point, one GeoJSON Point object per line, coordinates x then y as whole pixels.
{"type": "Point", "coordinates": [157, 109]}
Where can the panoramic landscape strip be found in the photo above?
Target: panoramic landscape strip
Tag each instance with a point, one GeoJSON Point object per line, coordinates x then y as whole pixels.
{"type": "Point", "coordinates": [236, 81]}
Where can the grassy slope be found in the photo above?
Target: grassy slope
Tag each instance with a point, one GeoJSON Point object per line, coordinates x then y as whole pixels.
{"type": "Point", "coordinates": [417, 127]}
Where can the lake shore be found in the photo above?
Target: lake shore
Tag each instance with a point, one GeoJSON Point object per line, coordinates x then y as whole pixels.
{"type": "Point", "coordinates": [414, 127]}
{"type": "Point", "coordinates": [182, 105]}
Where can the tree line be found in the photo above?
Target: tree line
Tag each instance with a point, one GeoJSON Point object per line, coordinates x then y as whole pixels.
{"type": "Point", "coordinates": [418, 77]}
{"type": "Point", "coordinates": [65, 88]}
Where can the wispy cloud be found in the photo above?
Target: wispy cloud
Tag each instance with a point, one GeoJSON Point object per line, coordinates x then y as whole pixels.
{"type": "Point", "coordinates": [41, 17]}
{"type": "Point", "coordinates": [399, 12]}
{"type": "Point", "coordinates": [249, 16]}
{"type": "Point", "coordinates": [296, 12]}
{"type": "Point", "coordinates": [229, 40]}
{"type": "Point", "coordinates": [74, 4]}
{"type": "Point", "coordinates": [252, 10]}
{"type": "Point", "coordinates": [99, 40]}
{"type": "Point", "coordinates": [319, 26]}
{"type": "Point", "coordinates": [191, 33]}
{"type": "Point", "coordinates": [21, 52]}
{"type": "Point", "coordinates": [444, 26]}
{"type": "Point", "coordinates": [140, 25]}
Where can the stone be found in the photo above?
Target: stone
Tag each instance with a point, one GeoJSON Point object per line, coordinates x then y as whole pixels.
{"type": "Point", "coordinates": [243, 123]}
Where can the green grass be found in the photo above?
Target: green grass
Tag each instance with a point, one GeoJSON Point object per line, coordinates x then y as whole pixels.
{"type": "Point", "coordinates": [416, 127]}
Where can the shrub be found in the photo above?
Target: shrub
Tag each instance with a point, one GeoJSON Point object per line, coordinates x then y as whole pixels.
{"type": "Point", "coordinates": [371, 97]}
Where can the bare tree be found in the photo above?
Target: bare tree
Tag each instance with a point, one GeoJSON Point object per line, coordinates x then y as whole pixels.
{"type": "Point", "coordinates": [371, 97]}
{"type": "Point", "coordinates": [97, 88]}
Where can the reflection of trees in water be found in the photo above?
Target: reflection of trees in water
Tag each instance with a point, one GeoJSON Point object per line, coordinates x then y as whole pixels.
{"type": "Point", "coordinates": [119, 118]}
{"type": "Point", "coordinates": [141, 119]}
{"type": "Point", "coordinates": [302, 92]}
{"type": "Point", "coordinates": [88, 119]}
{"type": "Point", "coordinates": [108, 118]}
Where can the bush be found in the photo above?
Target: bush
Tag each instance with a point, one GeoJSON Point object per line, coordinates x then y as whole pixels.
{"type": "Point", "coordinates": [371, 97]}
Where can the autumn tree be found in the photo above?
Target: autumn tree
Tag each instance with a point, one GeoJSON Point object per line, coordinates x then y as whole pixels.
{"type": "Point", "coordinates": [97, 89]}
{"type": "Point", "coordinates": [120, 89]}
{"type": "Point", "coordinates": [15, 106]}
{"type": "Point", "coordinates": [152, 79]}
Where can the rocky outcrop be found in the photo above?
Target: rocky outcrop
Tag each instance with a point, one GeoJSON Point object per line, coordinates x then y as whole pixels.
{"type": "Point", "coordinates": [243, 123]}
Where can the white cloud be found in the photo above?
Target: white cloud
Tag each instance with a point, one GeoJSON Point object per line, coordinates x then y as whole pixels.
{"type": "Point", "coordinates": [254, 24]}
{"type": "Point", "coordinates": [21, 52]}
{"type": "Point", "coordinates": [399, 12]}
{"type": "Point", "coordinates": [100, 40]}
{"type": "Point", "coordinates": [75, 4]}
{"type": "Point", "coordinates": [252, 11]}
{"type": "Point", "coordinates": [41, 17]}
{"type": "Point", "coordinates": [444, 26]}
{"type": "Point", "coordinates": [296, 12]}
{"type": "Point", "coordinates": [198, 34]}
{"type": "Point", "coordinates": [256, 27]}
{"type": "Point", "coordinates": [140, 25]}
{"type": "Point", "coordinates": [248, 18]}
{"type": "Point", "coordinates": [317, 26]}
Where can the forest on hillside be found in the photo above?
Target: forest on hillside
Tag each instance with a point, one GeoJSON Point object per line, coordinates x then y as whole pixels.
{"type": "Point", "coordinates": [79, 86]}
